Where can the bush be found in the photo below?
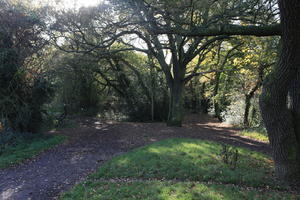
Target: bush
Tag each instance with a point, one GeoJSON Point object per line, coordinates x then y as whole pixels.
{"type": "Point", "coordinates": [234, 113]}
{"type": "Point", "coordinates": [23, 89]}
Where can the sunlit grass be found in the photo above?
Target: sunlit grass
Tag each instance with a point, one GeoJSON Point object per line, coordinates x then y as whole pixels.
{"type": "Point", "coordinates": [28, 149]}
{"type": "Point", "coordinates": [182, 169]}
{"type": "Point", "coordinates": [193, 160]}
{"type": "Point", "coordinates": [256, 134]}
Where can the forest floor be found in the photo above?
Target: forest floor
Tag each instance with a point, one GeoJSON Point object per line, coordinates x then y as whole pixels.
{"type": "Point", "coordinates": [95, 141]}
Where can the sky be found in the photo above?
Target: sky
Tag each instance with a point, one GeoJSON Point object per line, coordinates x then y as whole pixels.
{"type": "Point", "coordinates": [80, 3]}
{"type": "Point", "coordinates": [69, 4]}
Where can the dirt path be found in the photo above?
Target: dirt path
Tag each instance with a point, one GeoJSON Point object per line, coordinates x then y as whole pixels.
{"type": "Point", "coordinates": [95, 142]}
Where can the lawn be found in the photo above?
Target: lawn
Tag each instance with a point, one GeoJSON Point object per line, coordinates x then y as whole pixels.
{"type": "Point", "coordinates": [183, 169]}
{"type": "Point", "coordinates": [27, 149]}
{"type": "Point", "coordinates": [256, 134]}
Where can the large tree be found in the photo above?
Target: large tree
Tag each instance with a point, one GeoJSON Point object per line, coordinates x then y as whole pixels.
{"type": "Point", "coordinates": [280, 98]}
{"type": "Point", "coordinates": [172, 26]}
{"type": "Point", "coordinates": [152, 22]}
{"type": "Point", "coordinates": [280, 113]}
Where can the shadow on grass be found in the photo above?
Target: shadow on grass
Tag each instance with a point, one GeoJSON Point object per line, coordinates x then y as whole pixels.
{"type": "Point", "coordinates": [190, 160]}
{"type": "Point", "coordinates": [182, 169]}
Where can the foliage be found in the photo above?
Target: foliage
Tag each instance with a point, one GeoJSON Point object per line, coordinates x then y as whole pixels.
{"type": "Point", "coordinates": [23, 89]}
{"type": "Point", "coordinates": [115, 27]}
{"type": "Point", "coordinates": [75, 84]}
{"type": "Point", "coordinates": [124, 83]}
{"type": "Point", "coordinates": [179, 45]}
{"type": "Point", "coordinates": [237, 89]}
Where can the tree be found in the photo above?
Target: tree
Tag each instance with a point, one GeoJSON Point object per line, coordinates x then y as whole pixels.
{"type": "Point", "coordinates": [133, 20]}
{"type": "Point", "coordinates": [254, 65]}
{"type": "Point", "coordinates": [221, 62]}
{"type": "Point", "coordinates": [281, 119]}
{"type": "Point", "coordinates": [23, 89]}
{"type": "Point", "coordinates": [165, 16]}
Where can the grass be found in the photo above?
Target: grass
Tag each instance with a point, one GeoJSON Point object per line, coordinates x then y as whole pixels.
{"type": "Point", "coordinates": [256, 134]}
{"type": "Point", "coordinates": [165, 190]}
{"type": "Point", "coordinates": [28, 149]}
{"type": "Point", "coordinates": [182, 169]}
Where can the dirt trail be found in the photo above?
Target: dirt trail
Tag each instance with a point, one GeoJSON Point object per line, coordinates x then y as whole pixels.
{"type": "Point", "coordinates": [95, 142]}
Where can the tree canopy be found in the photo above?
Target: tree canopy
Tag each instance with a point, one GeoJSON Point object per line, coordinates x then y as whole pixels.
{"type": "Point", "coordinates": [153, 60]}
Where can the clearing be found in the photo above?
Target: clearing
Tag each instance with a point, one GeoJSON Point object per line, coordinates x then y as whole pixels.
{"type": "Point", "coordinates": [94, 142]}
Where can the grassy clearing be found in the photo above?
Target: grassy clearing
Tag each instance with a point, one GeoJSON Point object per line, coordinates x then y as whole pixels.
{"type": "Point", "coordinates": [180, 169]}
{"type": "Point", "coordinates": [27, 149]}
{"type": "Point", "coordinates": [193, 160]}
{"type": "Point", "coordinates": [256, 134]}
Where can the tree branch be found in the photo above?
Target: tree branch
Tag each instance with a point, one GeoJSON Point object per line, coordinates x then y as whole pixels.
{"type": "Point", "coordinates": [189, 77]}
{"type": "Point", "coordinates": [266, 30]}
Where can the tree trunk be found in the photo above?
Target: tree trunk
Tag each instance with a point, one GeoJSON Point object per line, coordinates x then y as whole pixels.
{"type": "Point", "coordinates": [247, 109]}
{"type": "Point", "coordinates": [278, 118]}
{"type": "Point", "coordinates": [176, 113]}
{"type": "Point", "coordinates": [249, 96]}
{"type": "Point", "coordinates": [216, 101]}
{"type": "Point", "coordinates": [294, 95]}
{"type": "Point", "coordinates": [204, 102]}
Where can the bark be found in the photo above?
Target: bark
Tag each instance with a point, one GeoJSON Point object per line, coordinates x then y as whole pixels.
{"type": "Point", "coordinates": [176, 113]}
{"type": "Point", "coordinates": [192, 101]}
{"type": "Point", "coordinates": [294, 106]}
{"type": "Point", "coordinates": [249, 96]}
{"type": "Point", "coordinates": [204, 102]}
{"type": "Point", "coordinates": [216, 91]}
{"type": "Point", "coordinates": [247, 109]}
{"type": "Point", "coordinates": [278, 118]}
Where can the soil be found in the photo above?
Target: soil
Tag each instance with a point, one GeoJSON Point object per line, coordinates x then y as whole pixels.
{"type": "Point", "coordinates": [95, 141]}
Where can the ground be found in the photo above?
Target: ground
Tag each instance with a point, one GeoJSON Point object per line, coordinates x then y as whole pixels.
{"type": "Point", "coordinates": [95, 141]}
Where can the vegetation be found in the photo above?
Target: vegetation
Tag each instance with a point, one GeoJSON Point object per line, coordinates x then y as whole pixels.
{"type": "Point", "coordinates": [23, 87]}
{"type": "Point", "coordinates": [153, 60]}
{"type": "Point", "coordinates": [155, 190]}
{"type": "Point", "coordinates": [256, 134]}
{"type": "Point", "coordinates": [182, 169]}
{"type": "Point", "coordinates": [26, 148]}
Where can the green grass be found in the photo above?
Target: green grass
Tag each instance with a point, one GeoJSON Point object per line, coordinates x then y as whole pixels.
{"type": "Point", "coordinates": [256, 134]}
{"type": "Point", "coordinates": [187, 159]}
{"type": "Point", "coordinates": [28, 149]}
{"type": "Point", "coordinates": [182, 169]}
{"type": "Point", "coordinates": [166, 190]}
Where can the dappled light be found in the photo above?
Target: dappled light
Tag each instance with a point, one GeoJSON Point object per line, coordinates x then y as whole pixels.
{"type": "Point", "coordinates": [193, 160]}
{"type": "Point", "coordinates": [149, 99]}
{"type": "Point", "coordinates": [94, 141]}
{"type": "Point", "coordinates": [181, 169]}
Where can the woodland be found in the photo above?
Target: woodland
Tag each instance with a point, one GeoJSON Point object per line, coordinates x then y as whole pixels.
{"type": "Point", "coordinates": [160, 64]}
